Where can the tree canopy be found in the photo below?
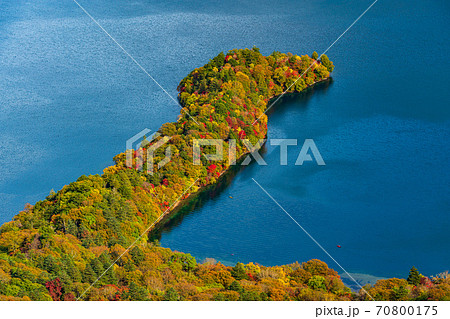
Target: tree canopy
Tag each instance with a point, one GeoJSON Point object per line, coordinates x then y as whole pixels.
{"type": "Point", "coordinates": [57, 248]}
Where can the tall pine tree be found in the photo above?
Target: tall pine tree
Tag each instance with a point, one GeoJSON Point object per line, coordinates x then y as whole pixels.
{"type": "Point", "coordinates": [414, 276]}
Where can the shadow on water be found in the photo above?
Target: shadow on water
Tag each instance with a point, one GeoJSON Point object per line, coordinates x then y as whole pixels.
{"type": "Point", "coordinates": [195, 202]}
{"type": "Point", "coordinates": [302, 98]}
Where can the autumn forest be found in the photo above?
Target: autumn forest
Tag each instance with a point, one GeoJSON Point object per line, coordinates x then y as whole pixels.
{"type": "Point", "coordinates": [90, 240]}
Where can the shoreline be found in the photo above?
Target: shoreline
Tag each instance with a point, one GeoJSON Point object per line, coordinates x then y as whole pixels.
{"type": "Point", "coordinates": [170, 214]}
{"type": "Point", "coordinates": [59, 248]}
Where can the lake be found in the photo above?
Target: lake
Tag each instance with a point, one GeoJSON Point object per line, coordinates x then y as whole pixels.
{"type": "Point", "coordinates": [71, 98]}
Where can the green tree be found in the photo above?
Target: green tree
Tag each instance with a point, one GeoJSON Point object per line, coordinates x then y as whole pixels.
{"type": "Point", "coordinates": [238, 272]}
{"type": "Point", "coordinates": [250, 296]}
{"type": "Point", "coordinates": [399, 293]}
{"type": "Point", "coordinates": [236, 286]}
{"type": "Point", "coordinates": [97, 266]}
{"type": "Point", "coordinates": [317, 282]}
{"type": "Point", "coordinates": [50, 264]}
{"type": "Point", "coordinates": [89, 275]}
{"type": "Point", "coordinates": [186, 260]}
{"type": "Point", "coordinates": [414, 277]}
{"type": "Point", "coordinates": [137, 293]}
{"type": "Point", "coordinates": [327, 63]}
{"type": "Point", "coordinates": [137, 255]}
{"type": "Point", "coordinates": [110, 276]}
{"type": "Point", "coordinates": [315, 55]}
{"type": "Point", "coordinates": [171, 295]}
{"type": "Point", "coordinates": [219, 60]}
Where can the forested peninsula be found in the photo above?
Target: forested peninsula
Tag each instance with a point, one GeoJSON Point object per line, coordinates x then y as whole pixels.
{"type": "Point", "coordinates": [59, 247]}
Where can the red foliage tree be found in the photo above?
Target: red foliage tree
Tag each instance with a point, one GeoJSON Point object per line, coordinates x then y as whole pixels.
{"type": "Point", "coordinates": [54, 288]}
{"type": "Point", "coordinates": [212, 168]}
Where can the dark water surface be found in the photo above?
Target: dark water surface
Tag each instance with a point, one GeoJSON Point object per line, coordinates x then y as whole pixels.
{"type": "Point", "coordinates": [70, 99]}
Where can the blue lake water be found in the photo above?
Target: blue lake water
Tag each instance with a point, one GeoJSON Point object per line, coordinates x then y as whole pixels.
{"type": "Point", "coordinates": [70, 99]}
